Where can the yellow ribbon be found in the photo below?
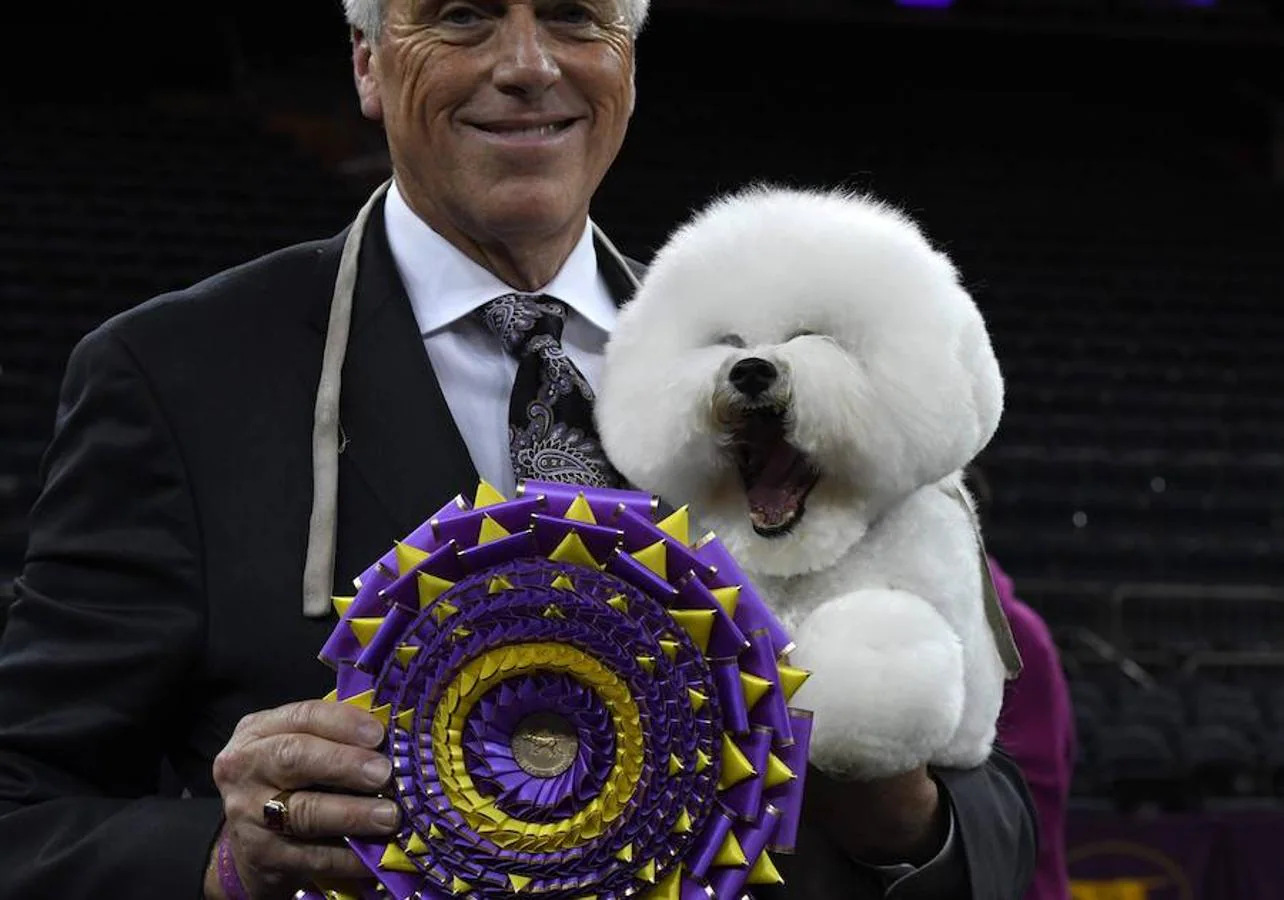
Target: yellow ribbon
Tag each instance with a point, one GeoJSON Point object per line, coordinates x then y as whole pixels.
{"type": "Point", "coordinates": [485, 672]}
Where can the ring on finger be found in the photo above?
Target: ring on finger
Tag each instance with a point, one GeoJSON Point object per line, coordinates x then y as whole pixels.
{"type": "Point", "coordinates": [276, 813]}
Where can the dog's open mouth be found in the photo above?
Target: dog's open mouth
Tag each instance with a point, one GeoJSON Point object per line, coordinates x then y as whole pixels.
{"type": "Point", "coordinates": [776, 475]}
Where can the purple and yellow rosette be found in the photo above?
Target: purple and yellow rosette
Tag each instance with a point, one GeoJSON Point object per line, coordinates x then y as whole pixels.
{"type": "Point", "coordinates": [581, 704]}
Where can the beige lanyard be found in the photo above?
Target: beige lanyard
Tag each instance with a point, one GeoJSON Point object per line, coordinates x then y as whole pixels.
{"type": "Point", "coordinates": [994, 615]}
{"type": "Point", "coordinates": [318, 565]}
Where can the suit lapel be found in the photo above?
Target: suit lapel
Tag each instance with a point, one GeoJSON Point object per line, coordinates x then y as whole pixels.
{"type": "Point", "coordinates": [621, 274]}
{"type": "Point", "coordinates": [402, 440]}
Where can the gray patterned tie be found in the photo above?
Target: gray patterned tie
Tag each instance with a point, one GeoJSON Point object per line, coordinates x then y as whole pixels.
{"type": "Point", "coordinates": [551, 434]}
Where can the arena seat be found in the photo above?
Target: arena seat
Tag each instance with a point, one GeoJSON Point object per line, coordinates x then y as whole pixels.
{"type": "Point", "coordinates": [1232, 706]}
{"type": "Point", "coordinates": [1140, 766]}
{"type": "Point", "coordinates": [1275, 763]}
{"type": "Point", "coordinates": [1221, 761]}
{"type": "Point", "coordinates": [1160, 709]}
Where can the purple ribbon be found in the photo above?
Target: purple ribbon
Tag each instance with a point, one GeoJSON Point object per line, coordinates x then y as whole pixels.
{"type": "Point", "coordinates": [752, 612]}
{"type": "Point", "coordinates": [641, 605]}
{"type": "Point", "coordinates": [488, 746]}
{"type": "Point", "coordinates": [771, 710]}
{"type": "Point", "coordinates": [745, 798]}
{"type": "Point", "coordinates": [729, 881]}
{"type": "Point", "coordinates": [788, 797]}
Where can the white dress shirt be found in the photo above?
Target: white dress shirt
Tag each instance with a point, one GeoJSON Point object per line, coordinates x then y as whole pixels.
{"type": "Point", "coordinates": [476, 374]}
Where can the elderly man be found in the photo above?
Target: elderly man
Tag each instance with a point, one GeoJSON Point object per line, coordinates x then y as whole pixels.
{"type": "Point", "coordinates": [210, 468]}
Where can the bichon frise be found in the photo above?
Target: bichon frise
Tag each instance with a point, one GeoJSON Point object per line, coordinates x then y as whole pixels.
{"type": "Point", "coordinates": [808, 373]}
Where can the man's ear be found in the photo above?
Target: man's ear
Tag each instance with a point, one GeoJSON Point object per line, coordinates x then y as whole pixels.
{"type": "Point", "coordinates": [365, 73]}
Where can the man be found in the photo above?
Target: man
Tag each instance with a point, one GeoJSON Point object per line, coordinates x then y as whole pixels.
{"type": "Point", "coordinates": [158, 612]}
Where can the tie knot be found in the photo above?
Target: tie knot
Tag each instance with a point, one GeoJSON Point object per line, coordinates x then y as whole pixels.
{"type": "Point", "coordinates": [516, 319]}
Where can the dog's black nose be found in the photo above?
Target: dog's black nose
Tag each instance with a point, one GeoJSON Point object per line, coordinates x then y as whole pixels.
{"type": "Point", "coordinates": [752, 376]}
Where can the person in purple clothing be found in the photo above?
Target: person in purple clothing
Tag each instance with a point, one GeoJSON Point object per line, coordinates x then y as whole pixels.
{"type": "Point", "coordinates": [1036, 723]}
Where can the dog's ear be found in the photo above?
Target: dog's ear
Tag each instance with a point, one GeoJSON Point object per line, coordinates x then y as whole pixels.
{"type": "Point", "coordinates": [980, 385]}
{"type": "Point", "coordinates": [972, 400]}
{"type": "Point", "coordinates": [938, 397]}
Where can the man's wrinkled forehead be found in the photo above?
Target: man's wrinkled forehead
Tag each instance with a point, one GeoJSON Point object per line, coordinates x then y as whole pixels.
{"type": "Point", "coordinates": [608, 9]}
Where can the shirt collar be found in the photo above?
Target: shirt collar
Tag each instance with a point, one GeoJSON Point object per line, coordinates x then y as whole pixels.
{"type": "Point", "coordinates": [444, 285]}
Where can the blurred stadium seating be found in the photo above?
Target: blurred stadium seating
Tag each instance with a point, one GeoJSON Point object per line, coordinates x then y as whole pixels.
{"type": "Point", "coordinates": [106, 206]}
{"type": "Point", "coordinates": [1121, 232]}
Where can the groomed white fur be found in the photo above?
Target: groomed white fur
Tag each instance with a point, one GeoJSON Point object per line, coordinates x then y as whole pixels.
{"type": "Point", "coordinates": [892, 387]}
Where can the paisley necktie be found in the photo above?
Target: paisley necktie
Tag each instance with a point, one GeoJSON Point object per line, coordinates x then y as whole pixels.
{"type": "Point", "coordinates": [551, 433]}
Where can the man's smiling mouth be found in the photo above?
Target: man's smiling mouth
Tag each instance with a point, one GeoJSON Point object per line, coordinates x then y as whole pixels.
{"type": "Point", "coordinates": [519, 128]}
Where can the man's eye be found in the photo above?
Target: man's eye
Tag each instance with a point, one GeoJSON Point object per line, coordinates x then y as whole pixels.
{"type": "Point", "coordinates": [460, 15]}
{"type": "Point", "coordinates": [731, 340]}
{"type": "Point", "coordinates": [573, 14]}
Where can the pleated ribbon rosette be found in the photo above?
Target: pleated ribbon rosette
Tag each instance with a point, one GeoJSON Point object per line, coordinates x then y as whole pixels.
{"type": "Point", "coordinates": [682, 762]}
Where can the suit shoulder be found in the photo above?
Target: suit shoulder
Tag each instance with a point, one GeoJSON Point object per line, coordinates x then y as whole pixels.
{"type": "Point", "coordinates": [278, 286]}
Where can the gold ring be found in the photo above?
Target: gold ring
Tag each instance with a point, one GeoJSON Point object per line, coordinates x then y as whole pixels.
{"type": "Point", "coordinates": [276, 813]}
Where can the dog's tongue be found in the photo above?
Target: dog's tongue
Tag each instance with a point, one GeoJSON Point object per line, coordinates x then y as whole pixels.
{"type": "Point", "coordinates": [774, 495]}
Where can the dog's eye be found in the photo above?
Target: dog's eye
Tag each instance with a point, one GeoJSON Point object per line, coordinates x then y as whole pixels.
{"type": "Point", "coordinates": [731, 340]}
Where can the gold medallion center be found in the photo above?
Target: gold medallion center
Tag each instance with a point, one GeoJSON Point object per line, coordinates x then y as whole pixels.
{"type": "Point", "coordinates": [544, 745]}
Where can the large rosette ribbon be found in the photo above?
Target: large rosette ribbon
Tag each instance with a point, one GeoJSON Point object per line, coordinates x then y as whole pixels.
{"type": "Point", "coordinates": [581, 704]}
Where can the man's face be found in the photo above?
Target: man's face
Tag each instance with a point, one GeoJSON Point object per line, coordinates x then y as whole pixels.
{"type": "Point", "coordinates": [502, 116]}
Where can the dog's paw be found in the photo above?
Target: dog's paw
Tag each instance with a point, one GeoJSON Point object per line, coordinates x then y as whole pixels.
{"type": "Point", "coordinates": [886, 688]}
{"type": "Point", "coordinates": [964, 754]}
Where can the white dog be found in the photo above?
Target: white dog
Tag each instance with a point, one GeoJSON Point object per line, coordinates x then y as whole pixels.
{"type": "Point", "coordinates": [807, 372]}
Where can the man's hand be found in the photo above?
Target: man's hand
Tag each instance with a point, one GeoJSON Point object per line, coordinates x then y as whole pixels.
{"type": "Point", "coordinates": [302, 747]}
{"type": "Point", "coordinates": [884, 821]}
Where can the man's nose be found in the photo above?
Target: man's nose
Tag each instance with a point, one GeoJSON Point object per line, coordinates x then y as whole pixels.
{"type": "Point", "coordinates": [526, 65]}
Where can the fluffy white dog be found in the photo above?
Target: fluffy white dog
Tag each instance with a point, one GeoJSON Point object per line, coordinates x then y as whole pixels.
{"type": "Point", "coordinates": [807, 372]}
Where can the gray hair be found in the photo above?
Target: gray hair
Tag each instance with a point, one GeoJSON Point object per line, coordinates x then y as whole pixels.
{"type": "Point", "coordinates": [367, 15]}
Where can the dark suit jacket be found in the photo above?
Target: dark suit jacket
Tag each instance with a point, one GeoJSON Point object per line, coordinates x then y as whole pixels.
{"type": "Point", "coordinates": [161, 597]}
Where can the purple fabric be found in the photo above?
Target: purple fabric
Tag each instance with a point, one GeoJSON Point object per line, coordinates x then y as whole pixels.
{"type": "Point", "coordinates": [1036, 728]}
{"type": "Point", "coordinates": [1230, 854]}
{"type": "Point", "coordinates": [228, 878]}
